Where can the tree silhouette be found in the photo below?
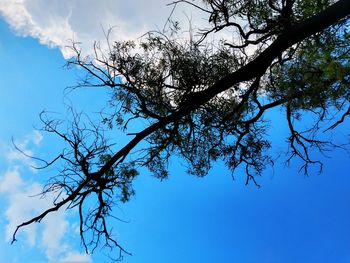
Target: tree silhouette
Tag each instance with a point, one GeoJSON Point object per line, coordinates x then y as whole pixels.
{"type": "Point", "coordinates": [203, 101]}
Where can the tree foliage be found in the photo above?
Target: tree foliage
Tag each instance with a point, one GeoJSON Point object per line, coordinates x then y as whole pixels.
{"type": "Point", "coordinates": [204, 100]}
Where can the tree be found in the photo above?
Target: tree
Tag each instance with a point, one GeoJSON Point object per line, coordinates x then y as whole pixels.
{"type": "Point", "coordinates": [203, 101]}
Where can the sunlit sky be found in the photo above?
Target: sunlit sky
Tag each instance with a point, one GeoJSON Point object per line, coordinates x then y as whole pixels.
{"type": "Point", "coordinates": [291, 218]}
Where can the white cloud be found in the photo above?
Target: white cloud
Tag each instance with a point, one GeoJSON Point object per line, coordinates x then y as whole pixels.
{"type": "Point", "coordinates": [23, 203]}
{"type": "Point", "coordinates": [11, 181]}
{"type": "Point", "coordinates": [21, 207]}
{"type": "Point", "coordinates": [58, 22]}
{"type": "Point", "coordinates": [32, 18]}
{"type": "Point", "coordinates": [74, 257]}
{"type": "Point", "coordinates": [14, 156]}
{"type": "Point", "coordinates": [55, 228]}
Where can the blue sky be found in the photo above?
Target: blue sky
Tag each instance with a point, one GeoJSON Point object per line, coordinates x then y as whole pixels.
{"type": "Point", "coordinates": [292, 218]}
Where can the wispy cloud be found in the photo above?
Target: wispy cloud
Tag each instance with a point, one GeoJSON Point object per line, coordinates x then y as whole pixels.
{"type": "Point", "coordinates": [23, 202]}
{"type": "Point", "coordinates": [75, 257]}
{"type": "Point", "coordinates": [15, 156]}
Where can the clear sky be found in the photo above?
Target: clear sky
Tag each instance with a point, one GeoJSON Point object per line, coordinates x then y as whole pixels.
{"type": "Point", "coordinates": [291, 218]}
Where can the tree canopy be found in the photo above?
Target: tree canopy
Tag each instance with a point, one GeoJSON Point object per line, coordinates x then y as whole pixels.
{"type": "Point", "coordinates": [203, 98]}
